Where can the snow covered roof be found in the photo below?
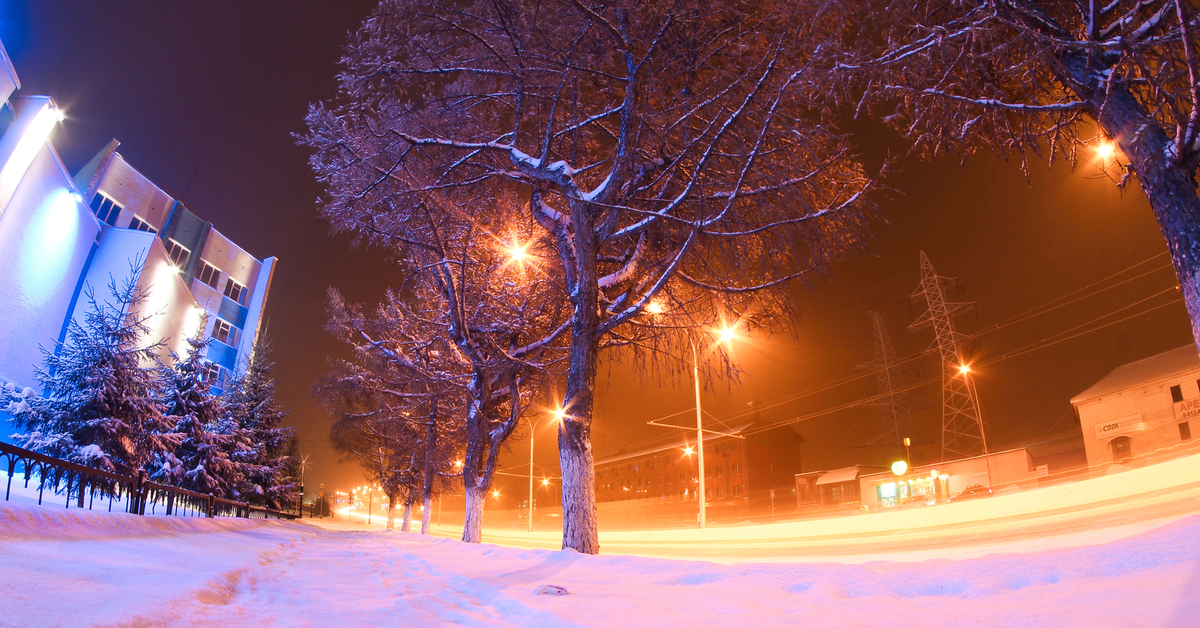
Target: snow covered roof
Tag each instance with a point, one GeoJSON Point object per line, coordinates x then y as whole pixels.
{"type": "Point", "coordinates": [837, 476]}
{"type": "Point", "coordinates": [1143, 372]}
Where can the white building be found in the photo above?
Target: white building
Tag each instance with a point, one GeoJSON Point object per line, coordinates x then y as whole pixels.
{"type": "Point", "coordinates": [1142, 410]}
{"type": "Point", "coordinates": [64, 236]}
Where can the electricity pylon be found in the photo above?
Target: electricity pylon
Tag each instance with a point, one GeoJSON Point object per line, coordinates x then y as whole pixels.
{"type": "Point", "coordinates": [892, 403]}
{"type": "Point", "coordinates": [962, 422]}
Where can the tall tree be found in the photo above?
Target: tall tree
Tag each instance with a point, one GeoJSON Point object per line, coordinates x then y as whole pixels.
{"type": "Point", "coordinates": [100, 405]}
{"type": "Point", "coordinates": [254, 419]}
{"type": "Point", "coordinates": [1033, 75]}
{"type": "Point", "coordinates": [659, 152]}
{"type": "Point", "coordinates": [200, 461]}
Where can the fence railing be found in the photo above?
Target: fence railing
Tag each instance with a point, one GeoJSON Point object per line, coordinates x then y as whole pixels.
{"type": "Point", "coordinates": [82, 485]}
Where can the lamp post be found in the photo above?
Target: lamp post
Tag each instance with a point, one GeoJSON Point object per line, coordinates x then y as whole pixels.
{"type": "Point", "coordinates": [724, 335]}
{"type": "Point", "coordinates": [965, 370]}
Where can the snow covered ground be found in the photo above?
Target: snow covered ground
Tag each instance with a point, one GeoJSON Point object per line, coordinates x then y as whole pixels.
{"type": "Point", "coordinates": [1019, 560]}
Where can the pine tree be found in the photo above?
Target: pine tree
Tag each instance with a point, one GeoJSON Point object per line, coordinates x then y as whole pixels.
{"type": "Point", "coordinates": [253, 418]}
{"type": "Point", "coordinates": [201, 460]}
{"type": "Point", "coordinates": [100, 405]}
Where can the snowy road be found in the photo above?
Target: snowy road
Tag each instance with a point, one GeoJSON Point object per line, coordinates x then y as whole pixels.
{"type": "Point", "coordinates": [1034, 559]}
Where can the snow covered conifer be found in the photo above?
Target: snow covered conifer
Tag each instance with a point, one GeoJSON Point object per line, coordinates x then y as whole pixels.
{"type": "Point", "coordinates": [100, 405]}
{"type": "Point", "coordinates": [253, 416]}
{"type": "Point", "coordinates": [201, 457]}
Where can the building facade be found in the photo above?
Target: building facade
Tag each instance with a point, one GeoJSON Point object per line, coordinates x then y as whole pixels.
{"type": "Point", "coordinates": [67, 237]}
{"type": "Point", "coordinates": [1141, 411]}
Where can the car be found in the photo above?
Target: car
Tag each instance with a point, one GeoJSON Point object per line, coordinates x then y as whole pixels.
{"type": "Point", "coordinates": [916, 501]}
{"type": "Point", "coordinates": [972, 492]}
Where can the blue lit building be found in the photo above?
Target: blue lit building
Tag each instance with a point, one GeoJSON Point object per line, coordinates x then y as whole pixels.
{"type": "Point", "coordinates": [62, 235]}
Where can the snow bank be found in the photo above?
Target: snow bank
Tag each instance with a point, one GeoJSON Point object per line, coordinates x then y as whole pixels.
{"type": "Point", "coordinates": [26, 522]}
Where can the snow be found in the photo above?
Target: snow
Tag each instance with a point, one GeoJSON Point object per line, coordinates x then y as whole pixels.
{"type": "Point", "coordinates": [1106, 556]}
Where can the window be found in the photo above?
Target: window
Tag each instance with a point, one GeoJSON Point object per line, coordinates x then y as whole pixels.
{"type": "Point", "coordinates": [737, 490]}
{"type": "Point", "coordinates": [707, 472]}
{"type": "Point", "coordinates": [1185, 431]}
{"type": "Point", "coordinates": [681, 479]}
{"type": "Point", "coordinates": [106, 209]}
{"type": "Point", "coordinates": [223, 332]}
{"type": "Point", "coordinates": [708, 493]}
{"type": "Point", "coordinates": [141, 225]}
{"type": "Point", "coordinates": [720, 471]}
{"type": "Point", "coordinates": [735, 468]}
{"type": "Point", "coordinates": [1122, 448]}
{"type": "Point", "coordinates": [720, 492]}
{"type": "Point", "coordinates": [178, 253]}
{"type": "Point", "coordinates": [1176, 393]}
{"type": "Point", "coordinates": [660, 480]}
{"type": "Point", "coordinates": [211, 373]}
{"type": "Point", "coordinates": [237, 292]}
{"type": "Point", "coordinates": [668, 478]}
{"type": "Point", "coordinates": [209, 274]}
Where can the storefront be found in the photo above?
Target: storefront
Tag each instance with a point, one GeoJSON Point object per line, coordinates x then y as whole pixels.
{"type": "Point", "coordinates": [944, 480]}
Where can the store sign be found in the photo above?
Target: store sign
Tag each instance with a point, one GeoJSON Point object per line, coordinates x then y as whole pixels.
{"type": "Point", "coordinates": [1187, 409]}
{"type": "Point", "coordinates": [1127, 424]}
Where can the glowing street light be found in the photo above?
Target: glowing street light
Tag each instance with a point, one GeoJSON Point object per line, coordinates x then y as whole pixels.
{"type": "Point", "coordinates": [655, 307]}
{"type": "Point", "coordinates": [964, 369]}
{"type": "Point", "coordinates": [687, 451]}
{"type": "Point", "coordinates": [559, 415]}
{"type": "Point", "coordinates": [726, 334]}
{"type": "Point", "coordinates": [517, 254]}
{"type": "Point", "coordinates": [496, 494]}
{"type": "Point", "coordinates": [899, 467]}
{"type": "Point", "coordinates": [1105, 151]}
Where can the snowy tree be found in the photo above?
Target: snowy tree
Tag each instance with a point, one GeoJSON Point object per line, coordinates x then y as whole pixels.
{"type": "Point", "coordinates": [1033, 75]}
{"type": "Point", "coordinates": [253, 418]}
{"type": "Point", "coordinates": [660, 154]}
{"type": "Point", "coordinates": [200, 461]}
{"type": "Point", "coordinates": [100, 405]}
{"type": "Point", "coordinates": [405, 360]}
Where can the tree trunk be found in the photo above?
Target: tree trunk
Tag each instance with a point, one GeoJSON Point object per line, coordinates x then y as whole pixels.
{"type": "Point", "coordinates": [580, 528]}
{"type": "Point", "coordinates": [1169, 187]}
{"type": "Point", "coordinates": [473, 517]}
{"type": "Point", "coordinates": [408, 502]}
{"type": "Point", "coordinates": [430, 445]}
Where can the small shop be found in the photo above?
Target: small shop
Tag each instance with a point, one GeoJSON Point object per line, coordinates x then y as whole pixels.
{"type": "Point", "coordinates": [896, 491]}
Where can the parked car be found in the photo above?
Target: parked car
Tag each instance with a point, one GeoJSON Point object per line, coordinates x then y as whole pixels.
{"type": "Point", "coordinates": [916, 501]}
{"type": "Point", "coordinates": [972, 492]}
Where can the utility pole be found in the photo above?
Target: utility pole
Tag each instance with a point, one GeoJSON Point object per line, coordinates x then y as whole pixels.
{"type": "Point", "coordinates": [699, 436]}
{"type": "Point", "coordinates": [893, 404]}
{"type": "Point", "coordinates": [962, 420]}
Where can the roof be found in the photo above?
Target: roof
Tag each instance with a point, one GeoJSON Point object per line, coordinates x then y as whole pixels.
{"type": "Point", "coordinates": [1143, 372]}
{"type": "Point", "coordinates": [837, 476]}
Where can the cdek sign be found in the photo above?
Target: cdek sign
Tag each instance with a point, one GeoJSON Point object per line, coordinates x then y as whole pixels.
{"type": "Point", "coordinates": [1112, 428]}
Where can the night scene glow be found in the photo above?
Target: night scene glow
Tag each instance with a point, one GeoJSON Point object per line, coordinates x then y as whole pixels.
{"type": "Point", "coordinates": [600, 313]}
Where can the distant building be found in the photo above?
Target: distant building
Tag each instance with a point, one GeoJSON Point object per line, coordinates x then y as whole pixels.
{"type": "Point", "coordinates": [1142, 410]}
{"type": "Point", "coordinates": [746, 468]}
{"type": "Point", "coordinates": [67, 236]}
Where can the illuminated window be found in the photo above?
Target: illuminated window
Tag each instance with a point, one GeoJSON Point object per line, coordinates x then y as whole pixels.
{"type": "Point", "coordinates": [1176, 393]}
{"type": "Point", "coordinates": [141, 225]}
{"type": "Point", "coordinates": [735, 468]}
{"type": "Point", "coordinates": [105, 208]}
{"type": "Point", "coordinates": [209, 274]}
{"type": "Point", "coordinates": [235, 291]}
{"type": "Point", "coordinates": [178, 253]}
{"type": "Point", "coordinates": [223, 331]}
{"type": "Point", "coordinates": [1185, 431]}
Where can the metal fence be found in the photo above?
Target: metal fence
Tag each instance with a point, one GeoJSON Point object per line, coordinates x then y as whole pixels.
{"type": "Point", "coordinates": [82, 485]}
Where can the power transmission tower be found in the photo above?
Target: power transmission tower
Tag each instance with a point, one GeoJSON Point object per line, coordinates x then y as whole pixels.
{"type": "Point", "coordinates": [962, 422]}
{"type": "Point", "coordinates": [893, 403]}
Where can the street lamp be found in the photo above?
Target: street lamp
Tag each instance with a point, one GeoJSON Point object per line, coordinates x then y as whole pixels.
{"type": "Point", "coordinates": [965, 370]}
{"type": "Point", "coordinates": [726, 335]}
